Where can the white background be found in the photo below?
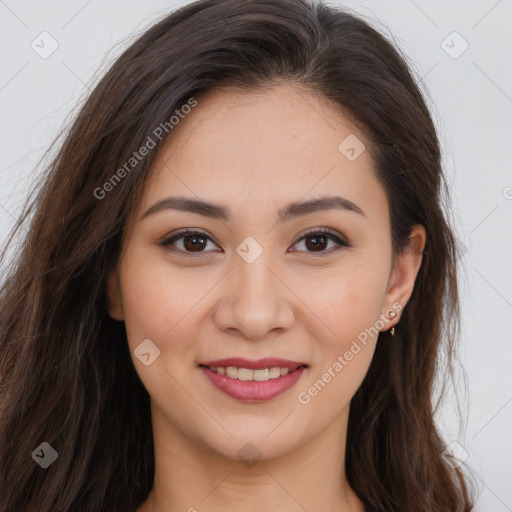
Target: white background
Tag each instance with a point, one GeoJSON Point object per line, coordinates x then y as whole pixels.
{"type": "Point", "coordinates": [472, 106]}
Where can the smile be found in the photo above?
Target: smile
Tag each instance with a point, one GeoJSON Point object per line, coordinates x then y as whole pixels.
{"type": "Point", "coordinates": [262, 381]}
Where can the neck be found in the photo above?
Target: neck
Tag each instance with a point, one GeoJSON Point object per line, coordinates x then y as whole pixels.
{"type": "Point", "coordinates": [191, 477]}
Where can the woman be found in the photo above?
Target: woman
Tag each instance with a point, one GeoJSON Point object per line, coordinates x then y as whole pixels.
{"type": "Point", "coordinates": [237, 280]}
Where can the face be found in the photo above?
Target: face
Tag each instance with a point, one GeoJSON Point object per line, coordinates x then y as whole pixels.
{"type": "Point", "coordinates": [254, 278]}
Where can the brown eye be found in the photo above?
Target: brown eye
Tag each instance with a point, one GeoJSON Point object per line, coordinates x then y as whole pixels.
{"type": "Point", "coordinates": [187, 242]}
{"type": "Point", "coordinates": [318, 241]}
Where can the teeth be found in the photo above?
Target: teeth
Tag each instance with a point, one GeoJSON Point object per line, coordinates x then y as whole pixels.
{"type": "Point", "coordinates": [260, 375]}
{"type": "Point", "coordinates": [274, 373]}
{"type": "Point", "coordinates": [246, 374]}
{"type": "Point", "coordinates": [232, 372]}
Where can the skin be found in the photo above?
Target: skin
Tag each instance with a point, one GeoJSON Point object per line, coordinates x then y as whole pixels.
{"type": "Point", "coordinates": [254, 153]}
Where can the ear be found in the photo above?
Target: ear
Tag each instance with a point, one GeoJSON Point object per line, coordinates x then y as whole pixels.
{"type": "Point", "coordinates": [403, 275]}
{"type": "Point", "coordinates": [115, 307]}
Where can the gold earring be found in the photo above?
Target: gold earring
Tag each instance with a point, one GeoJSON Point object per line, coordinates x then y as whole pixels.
{"type": "Point", "coordinates": [392, 315]}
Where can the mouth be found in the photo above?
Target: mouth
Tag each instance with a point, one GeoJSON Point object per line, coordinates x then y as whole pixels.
{"type": "Point", "coordinates": [253, 381]}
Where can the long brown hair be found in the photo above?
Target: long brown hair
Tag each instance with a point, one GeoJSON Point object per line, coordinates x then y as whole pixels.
{"type": "Point", "coordinates": [66, 373]}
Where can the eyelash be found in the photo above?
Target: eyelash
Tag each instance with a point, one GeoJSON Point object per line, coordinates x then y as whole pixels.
{"type": "Point", "coordinates": [166, 243]}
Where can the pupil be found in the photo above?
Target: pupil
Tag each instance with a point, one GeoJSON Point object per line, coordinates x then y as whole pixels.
{"type": "Point", "coordinates": [316, 245]}
{"type": "Point", "coordinates": [193, 246]}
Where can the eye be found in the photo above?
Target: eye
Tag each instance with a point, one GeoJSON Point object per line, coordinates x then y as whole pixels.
{"type": "Point", "coordinates": [194, 242]}
{"type": "Point", "coordinates": [319, 238]}
{"type": "Point", "coordinates": [191, 241]}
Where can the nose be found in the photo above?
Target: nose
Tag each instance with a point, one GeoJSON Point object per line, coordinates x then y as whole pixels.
{"type": "Point", "coordinates": [255, 299]}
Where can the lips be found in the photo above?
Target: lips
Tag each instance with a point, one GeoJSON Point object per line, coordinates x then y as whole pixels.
{"type": "Point", "coordinates": [253, 381]}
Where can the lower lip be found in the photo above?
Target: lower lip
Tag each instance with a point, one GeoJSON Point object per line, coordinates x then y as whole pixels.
{"type": "Point", "coordinates": [253, 391]}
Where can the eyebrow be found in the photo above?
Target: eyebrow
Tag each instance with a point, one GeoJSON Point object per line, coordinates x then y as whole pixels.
{"type": "Point", "coordinates": [221, 212]}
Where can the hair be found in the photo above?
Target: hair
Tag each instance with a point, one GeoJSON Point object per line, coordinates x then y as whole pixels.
{"type": "Point", "coordinates": [67, 377]}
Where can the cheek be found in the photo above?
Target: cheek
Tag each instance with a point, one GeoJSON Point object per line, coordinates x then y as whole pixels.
{"type": "Point", "coordinates": [349, 307]}
{"type": "Point", "coordinates": [157, 304]}
{"type": "Point", "coordinates": [348, 301]}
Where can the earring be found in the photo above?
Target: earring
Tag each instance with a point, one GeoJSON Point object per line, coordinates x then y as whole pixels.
{"type": "Point", "coordinates": [392, 315]}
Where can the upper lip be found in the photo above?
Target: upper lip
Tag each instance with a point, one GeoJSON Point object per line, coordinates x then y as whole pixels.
{"type": "Point", "coordinates": [260, 364]}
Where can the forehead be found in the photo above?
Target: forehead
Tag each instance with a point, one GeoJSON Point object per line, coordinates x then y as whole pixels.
{"type": "Point", "coordinates": [265, 147]}
{"type": "Point", "coordinates": [283, 121]}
